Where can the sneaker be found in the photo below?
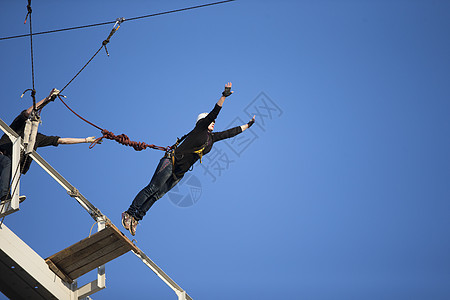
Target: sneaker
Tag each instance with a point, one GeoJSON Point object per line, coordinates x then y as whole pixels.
{"type": "Point", "coordinates": [133, 227]}
{"type": "Point", "coordinates": [126, 220]}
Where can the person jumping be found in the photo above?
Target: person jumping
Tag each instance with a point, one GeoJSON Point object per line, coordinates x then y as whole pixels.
{"type": "Point", "coordinates": [175, 164]}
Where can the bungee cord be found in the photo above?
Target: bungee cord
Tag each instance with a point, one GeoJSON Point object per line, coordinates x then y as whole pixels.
{"type": "Point", "coordinates": [121, 139]}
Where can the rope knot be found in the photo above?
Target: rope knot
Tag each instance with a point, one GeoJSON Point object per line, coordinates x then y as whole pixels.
{"type": "Point", "coordinates": [29, 12]}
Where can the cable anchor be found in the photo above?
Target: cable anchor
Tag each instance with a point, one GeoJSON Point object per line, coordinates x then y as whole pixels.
{"type": "Point", "coordinates": [113, 30]}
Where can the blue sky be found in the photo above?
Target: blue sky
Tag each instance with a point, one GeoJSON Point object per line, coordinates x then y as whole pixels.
{"type": "Point", "coordinates": [340, 191]}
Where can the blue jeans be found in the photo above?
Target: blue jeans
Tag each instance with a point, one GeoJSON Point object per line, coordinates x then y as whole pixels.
{"type": "Point", "coordinates": [5, 175]}
{"type": "Point", "coordinates": [162, 182]}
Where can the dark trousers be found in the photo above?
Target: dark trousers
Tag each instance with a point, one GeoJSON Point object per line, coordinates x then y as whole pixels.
{"type": "Point", "coordinates": [5, 175]}
{"type": "Point", "coordinates": [161, 182]}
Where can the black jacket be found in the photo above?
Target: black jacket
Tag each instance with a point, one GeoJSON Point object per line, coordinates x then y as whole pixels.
{"type": "Point", "coordinates": [18, 125]}
{"type": "Point", "coordinates": [200, 137]}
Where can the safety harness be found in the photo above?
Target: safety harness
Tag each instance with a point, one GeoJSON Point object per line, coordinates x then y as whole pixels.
{"type": "Point", "coordinates": [170, 153]}
{"type": "Point", "coordinates": [200, 153]}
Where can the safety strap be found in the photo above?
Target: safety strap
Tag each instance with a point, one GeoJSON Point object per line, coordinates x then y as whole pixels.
{"type": "Point", "coordinates": [200, 153]}
{"type": "Point", "coordinates": [171, 150]}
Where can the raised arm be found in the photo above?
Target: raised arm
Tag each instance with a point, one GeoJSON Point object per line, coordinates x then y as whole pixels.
{"type": "Point", "coordinates": [211, 117]}
{"type": "Point", "coordinates": [51, 97]}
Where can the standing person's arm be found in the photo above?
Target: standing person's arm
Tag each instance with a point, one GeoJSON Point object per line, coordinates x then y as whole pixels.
{"type": "Point", "coordinates": [71, 141]}
{"type": "Point", "coordinates": [51, 97]}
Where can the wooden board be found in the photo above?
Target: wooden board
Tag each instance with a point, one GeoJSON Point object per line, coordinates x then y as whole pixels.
{"type": "Point", "coordinates": [90, 253]}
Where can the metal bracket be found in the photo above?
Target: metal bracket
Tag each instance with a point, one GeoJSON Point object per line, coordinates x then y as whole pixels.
{"type": "Point", "coordinates": [74, 193]}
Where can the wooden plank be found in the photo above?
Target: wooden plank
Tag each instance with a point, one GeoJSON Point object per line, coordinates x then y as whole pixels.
{"type": "Point", "coordinates": [57, 271]}
{"type": "Point", "coordinates": [90, 253]}
{"type": "Point", "coordinates": [86, 252]}
{"type": "Point", "coordinates": [116, 253]}
{"type": "Point", "coordinates": [56, 258]}
{"type": "Point", "coordinates": [93, 256]}
{"type": "Point", "coordinates": [123, 236]}
{"type": "Point", "coordinates": [98, 255]}
{"type": "Point", "coordinates": [103, 260]}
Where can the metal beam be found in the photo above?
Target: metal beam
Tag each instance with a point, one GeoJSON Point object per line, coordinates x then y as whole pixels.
{"type": "Point", "coordinates": [71, 190]}
{"type": "Point", "coordinates": [89, 289]}
{"type": "Point", "coordinates": [182, 295]}
{"type": "Point", "coordinates": [9, 132]}
{"type": "Point", "coordinates": [29, 269]}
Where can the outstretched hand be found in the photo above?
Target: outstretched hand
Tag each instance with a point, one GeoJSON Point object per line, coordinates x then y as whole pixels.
{"type": "Point", "coordinates": [92, 139]}
{"type": "Point", "coordinates": [251, 122]}
{"type": "Point", "coordinates": [53, 94]}
{"type": "Point", "coordinates": [227, 92]}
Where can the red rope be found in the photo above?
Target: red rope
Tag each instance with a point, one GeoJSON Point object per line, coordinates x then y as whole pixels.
{"type": "Point", "coordinates": [125, 140]}
{"type": "Point", "coordinates": [99, 128]}
{"type": "Point", "coordinates": [121, 139]}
